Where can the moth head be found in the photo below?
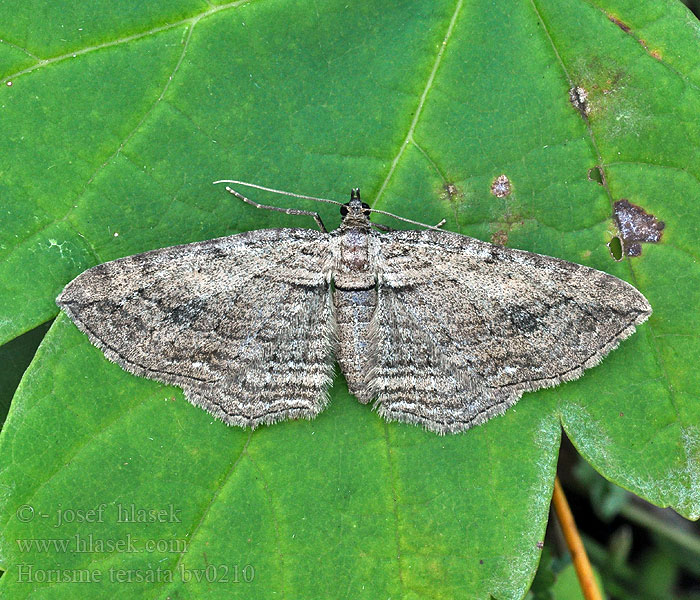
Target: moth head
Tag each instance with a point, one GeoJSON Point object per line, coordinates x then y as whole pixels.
{"type": "Point", "coordinates": [355, 209]}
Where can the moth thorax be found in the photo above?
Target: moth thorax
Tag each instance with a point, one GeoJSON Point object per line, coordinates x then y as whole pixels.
{"type": "Point", "coordinates": [354, 269]}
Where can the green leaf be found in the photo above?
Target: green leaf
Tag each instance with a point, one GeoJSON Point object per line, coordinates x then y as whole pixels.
{"type": "Point", "coordinates": [115, 124]}
{"type": "Point", "coordinates": [567, 586]}
{"type": "Point", "coordinates": [541, 588]}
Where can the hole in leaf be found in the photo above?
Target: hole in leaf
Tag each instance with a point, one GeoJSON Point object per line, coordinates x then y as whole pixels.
{"type": "Point", "coordinates": [596, 174]}
{"type": "Point", "coordinates": [615, 247]}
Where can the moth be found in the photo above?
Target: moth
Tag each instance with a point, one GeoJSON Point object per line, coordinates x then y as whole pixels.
{"type": "Point", "coordinates": [437, 328]}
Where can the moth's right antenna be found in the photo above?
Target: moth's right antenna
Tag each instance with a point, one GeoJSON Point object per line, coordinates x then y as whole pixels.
{"type": "Point", "coordinates": [383, 212]}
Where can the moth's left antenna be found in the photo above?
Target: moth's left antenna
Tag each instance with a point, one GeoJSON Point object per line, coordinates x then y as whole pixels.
{"type": "Point", "coordinates": [284, 193]}
{"type": "Point", "coordinates": [288, 211]}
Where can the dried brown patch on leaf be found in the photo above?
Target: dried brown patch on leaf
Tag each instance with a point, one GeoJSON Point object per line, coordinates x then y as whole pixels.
{"type": "Point", "coordinates": [578, 97]}
{"type": "Point", "coordinates": [505, 227]}
{"type": "Point", "coordinates": [500, 237]}
{"type": "Point", "coordinates": [501, 186]}
{"type": "Point", "coordinates": [450, 191]}
{"type": "Point", "coordinates": [653, 53]}
{"type": "Point", "coordinates": [601, 90]}
{"type": "Point", "coordinates": [596, 76]}
{"type": "Point", "coordinates": [626, 28]}
{"type": "Point", "coordinates": [636, 226]}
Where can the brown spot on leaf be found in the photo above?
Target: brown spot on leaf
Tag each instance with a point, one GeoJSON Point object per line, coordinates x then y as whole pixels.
{"type": "Point", "coordinates": [540, 545]}
{"type": "Point", "coordinates": [450, 191]}
{"type": "Point", "coordinates": [620, 24]}
{"type": "Point", "coordinates": [636, 226]}
{"type": "Point", "coordinates": [500, 238]}
{"type": "Point", "coordinates": [579, 100]}
{"type": "Point", "coordinates": [501, 186]}
{"type": "Point", "coordinates": [505, 226]}
{"type": "Point", "coordinates": [627, 29]}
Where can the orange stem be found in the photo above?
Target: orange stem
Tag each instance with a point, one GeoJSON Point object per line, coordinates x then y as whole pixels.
{"type": "Point", "coordinates": [589, 587]}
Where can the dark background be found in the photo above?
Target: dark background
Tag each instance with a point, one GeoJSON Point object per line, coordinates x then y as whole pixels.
{"type": "Point", "coordinates": [693, 5]}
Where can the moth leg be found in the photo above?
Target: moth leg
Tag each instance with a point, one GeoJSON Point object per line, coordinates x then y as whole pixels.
{"type": "Point", "coordinates": [288, 211]}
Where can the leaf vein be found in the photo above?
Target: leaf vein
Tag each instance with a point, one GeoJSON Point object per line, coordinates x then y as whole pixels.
{"type": "Point", "coordinates": [43, 62]}
{"type": "Point", "coordinates": [421, 102]}
{"type": "Point", "coordinates": [212, 500]}
{"type": "Point", "coordinates": [594, 146]}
